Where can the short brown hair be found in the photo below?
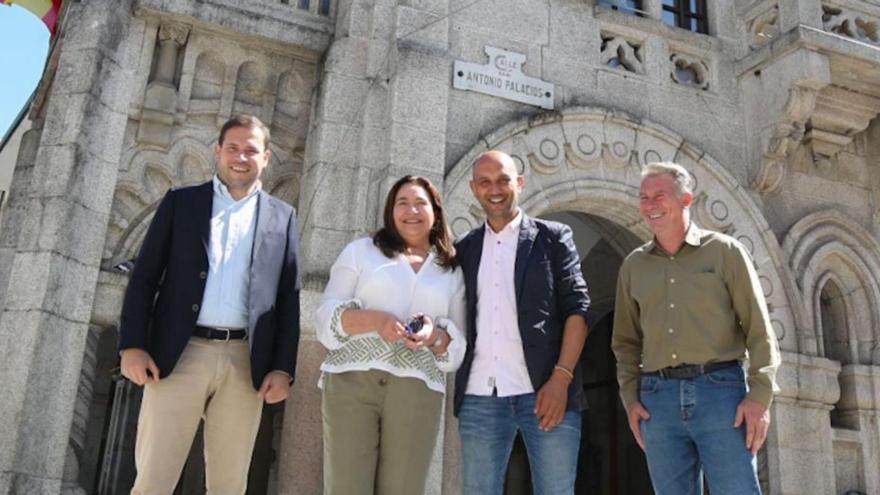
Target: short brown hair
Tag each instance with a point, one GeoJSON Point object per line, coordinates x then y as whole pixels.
{"type": "Point", "coordinates": [388, 239]}
{"type": "Point", "coordinates": [248, 121]}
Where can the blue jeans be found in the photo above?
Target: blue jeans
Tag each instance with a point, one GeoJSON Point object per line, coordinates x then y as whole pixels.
{"type": "Point", "coordinates": [691, 432]}
{"type": "Point", "coordinates": [488, 426]}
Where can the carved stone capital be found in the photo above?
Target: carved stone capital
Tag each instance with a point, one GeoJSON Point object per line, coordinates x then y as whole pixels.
{"type": "Point", "coordinates": [173, 32]}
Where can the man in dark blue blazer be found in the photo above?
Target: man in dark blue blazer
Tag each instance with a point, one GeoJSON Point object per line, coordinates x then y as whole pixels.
{"type": "Point", "coordinates": [527, 306]}
{"type": "Point", "coordinates": [210, 321]}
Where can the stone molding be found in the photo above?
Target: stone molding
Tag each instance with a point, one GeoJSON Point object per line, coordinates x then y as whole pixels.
{"type": "Point", "coordinates": [588, 159]}
{"type": "Point", "coordinates": [809, 381]}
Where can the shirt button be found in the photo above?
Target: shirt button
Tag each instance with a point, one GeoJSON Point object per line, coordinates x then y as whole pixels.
{"type": "Point", "coordinates": [671, 280]}
{"type": "Point", "coordinates": [672, 258]}
{"type": "Point", "coordinates": [203, 275]}
{"type": "Point", "coordinates": [675, 356]}
{"type": "Point", "coordinates": [195, 307]}
{"type": "Point", "coordinates": [672, 305]}
{"type": "Point", "coordinates": [671, 331]}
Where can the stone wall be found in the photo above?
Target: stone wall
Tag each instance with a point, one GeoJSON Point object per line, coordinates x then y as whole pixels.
{"type": "Point", "coordinates": [774, 111]}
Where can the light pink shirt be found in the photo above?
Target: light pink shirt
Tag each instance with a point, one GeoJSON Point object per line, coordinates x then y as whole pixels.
{"type": "Point", "coordinates": [499, 361]}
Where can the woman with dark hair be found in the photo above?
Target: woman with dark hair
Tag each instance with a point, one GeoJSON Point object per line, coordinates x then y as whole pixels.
{"type": "Point", "coordinates": [391, 318]}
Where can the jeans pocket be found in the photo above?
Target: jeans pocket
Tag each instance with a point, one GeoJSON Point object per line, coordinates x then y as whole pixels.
{"type": "Point", "coordinates": [732, 376]}
{"type": "Point", "coordinates": [648, 384]}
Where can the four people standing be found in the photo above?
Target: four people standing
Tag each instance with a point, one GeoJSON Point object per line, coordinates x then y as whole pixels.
{"type": "Point", "coordinates": [210, 326]}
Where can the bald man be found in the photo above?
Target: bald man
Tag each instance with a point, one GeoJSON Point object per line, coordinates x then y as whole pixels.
{"type": "Point", "coordinates": [526, 312]}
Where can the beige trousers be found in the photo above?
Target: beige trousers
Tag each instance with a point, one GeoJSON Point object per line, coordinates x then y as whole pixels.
{"type": "Point", "coordinates": [212, 380]}
{"type": "Point", "coordinates": [379, 433]}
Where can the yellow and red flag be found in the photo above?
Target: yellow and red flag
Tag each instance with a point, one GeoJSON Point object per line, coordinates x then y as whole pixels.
{"type": "Point", "coordinates": [47, 10]}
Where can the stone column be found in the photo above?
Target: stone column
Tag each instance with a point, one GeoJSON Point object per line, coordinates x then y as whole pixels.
{"type": "Point", "coordinates": [54, 268]}
{"type": "Point", "coordinates": [160, 99]}
{"type": "Point", "coordinates": [858, 407]}
{"type": "Point", "coordinates": [799, 447]}
{"type": "Point", "coordinates": [379, 113]}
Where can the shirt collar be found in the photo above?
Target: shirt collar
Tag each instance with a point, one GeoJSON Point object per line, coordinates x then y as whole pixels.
{"type": "Point", "coordinates": [512, 227]}
{"type": "Point", "coordinates": [221, 190]}
{"type": "Point", "coordinates": [693, 236]}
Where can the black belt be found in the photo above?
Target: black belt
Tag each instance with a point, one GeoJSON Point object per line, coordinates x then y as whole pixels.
{"type": "Point", "coordinates": [224, 334]}
{"type": "Point", "coordinates": [685, 371]}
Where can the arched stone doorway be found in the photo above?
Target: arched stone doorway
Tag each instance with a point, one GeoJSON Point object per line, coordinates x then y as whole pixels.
{"type": "Point", "coordinates": [582, 165]}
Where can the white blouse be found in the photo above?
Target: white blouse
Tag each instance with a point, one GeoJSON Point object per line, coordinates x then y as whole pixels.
{"type": "Point", "coordinates": [363, 278]}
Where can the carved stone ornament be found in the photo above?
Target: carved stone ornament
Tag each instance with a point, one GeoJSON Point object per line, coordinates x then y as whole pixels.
{"type": "Point", "coordinates": [851, 24]}
{"type": "Point", "coordinates": [621, 53]}
{"type": "Point", "coordinates": [786, 136]}
{"type": "Point", "coordinates": [689, 71]}
{"type": "Point", "coordinates": [173, 32]}
{"type": "Point", "coordinates": [764, 27]}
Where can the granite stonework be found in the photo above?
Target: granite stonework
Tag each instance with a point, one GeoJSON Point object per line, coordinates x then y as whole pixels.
{"type": "Point", "coordinates": [774, 111]}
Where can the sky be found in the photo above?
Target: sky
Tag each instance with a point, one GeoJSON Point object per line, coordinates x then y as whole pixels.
{"type": "Point", "coordinates": [24, 43]}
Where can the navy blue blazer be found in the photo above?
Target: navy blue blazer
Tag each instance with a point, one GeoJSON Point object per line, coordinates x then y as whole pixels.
{"type": "Point", "coordinates": [549, 288]}
{"type": "Point", "coordinates": [165, 291]}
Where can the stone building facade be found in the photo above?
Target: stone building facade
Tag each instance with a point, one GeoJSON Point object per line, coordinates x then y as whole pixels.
{"type": "Point", "coordinates": [774, 109]}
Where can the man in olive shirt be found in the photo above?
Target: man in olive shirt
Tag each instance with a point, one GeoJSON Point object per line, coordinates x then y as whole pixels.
{"type": "Point", "coordinates": [689, 310]}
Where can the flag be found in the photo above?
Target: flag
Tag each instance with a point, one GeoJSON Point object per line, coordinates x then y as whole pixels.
{"type": "Point", "coordinates": [47, 10]}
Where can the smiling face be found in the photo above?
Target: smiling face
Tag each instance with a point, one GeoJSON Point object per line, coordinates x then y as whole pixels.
{"type": "Point", "coordinates": [413, 215]}
{"type": "Point", "coordinates": [662, 207]}
{"type": "Point", "coordinates": [241, 159]}
{"type": "Point", "coordinates": [497, 185]}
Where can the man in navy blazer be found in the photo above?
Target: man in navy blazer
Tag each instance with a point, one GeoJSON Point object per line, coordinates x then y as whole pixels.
{"type": "Point", "coordinates": [210, 321]}
{"type": "Point", "coordinates": [527, 306]}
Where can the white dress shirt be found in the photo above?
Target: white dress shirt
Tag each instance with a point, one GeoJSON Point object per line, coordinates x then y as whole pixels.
{"type": "Point", "coordinates": [499, 362]}
{"type": "Point", "coordinates": [233, 226]}
{"type": "Point", "coordinates": [362, 277]}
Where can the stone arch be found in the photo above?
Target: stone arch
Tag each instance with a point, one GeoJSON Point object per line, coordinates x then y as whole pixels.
{"type": "Point", "coordinates": [142, 184]}
{"type": "Point", "coordinates": [250, 89]}
{"type": "Point", "coordinates": [588, 159]}
{"type": "Point", "coordinates": [292, 104]}
{"type": "Point", "coordinates": [827, 245]}
{"type": "Point", "coordinates": [202, 102]}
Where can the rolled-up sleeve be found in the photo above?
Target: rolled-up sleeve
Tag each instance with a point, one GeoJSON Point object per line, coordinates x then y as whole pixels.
{"type": "Point", "coordinates": [573, 296]}
{"type": "Point", "coordinates": [338, 296]}
{"type": "Point", "coordinates": [454, 325]}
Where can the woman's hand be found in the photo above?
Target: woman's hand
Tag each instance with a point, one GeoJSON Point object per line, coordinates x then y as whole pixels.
{"type": "Point", "coordinates": [391, 329]}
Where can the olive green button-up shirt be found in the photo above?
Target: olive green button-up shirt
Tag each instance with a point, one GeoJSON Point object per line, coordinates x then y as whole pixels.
{"type": "Point", "coordinates": [703, 304]}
